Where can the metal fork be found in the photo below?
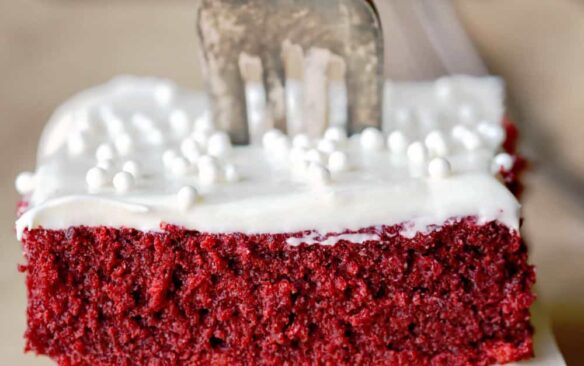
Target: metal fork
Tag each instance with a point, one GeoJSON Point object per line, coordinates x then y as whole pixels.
{"type": "Point", "coordinates": [260, 29]}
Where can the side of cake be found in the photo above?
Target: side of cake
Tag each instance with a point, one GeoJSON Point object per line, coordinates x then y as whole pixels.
{"type": "Point", "coordinates": [150, 239]}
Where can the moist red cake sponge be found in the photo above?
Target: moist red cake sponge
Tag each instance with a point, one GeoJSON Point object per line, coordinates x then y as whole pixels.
{"type": "Point", "coordinates": [458, 295]}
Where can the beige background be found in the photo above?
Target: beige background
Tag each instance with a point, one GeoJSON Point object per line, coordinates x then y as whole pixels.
{"type": "Point", "coordinates": [50, 49]}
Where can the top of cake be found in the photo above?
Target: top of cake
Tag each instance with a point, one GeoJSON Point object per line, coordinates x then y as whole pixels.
{"type": "Point", "coordinates": [138, 152]}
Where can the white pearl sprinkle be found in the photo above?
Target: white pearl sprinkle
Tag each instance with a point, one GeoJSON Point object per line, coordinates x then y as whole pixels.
{"type": "Point", "coordinates": [179, 122]}
{"type": "Point", "coordinates": [219, 145]}
{"type": "Point", "coordinates": [301, 141]}
{"type": "Point", "coordinates": [397, 142]}
{"type": "Point", "coordinates": [168, 157]}
{"type": "Point", "coordinates": [417, 153]}
{"type": "Point", "coordinates": [111, 120]}
{"type": "Point", "coordinates": [96, 178]}
{"type": "Point", "coordinates": [297, 155]}
{"type": "Point", "coordinates": [191, 149]}
{"type": "Point", "coordinates": [202, 138]}
{"type": "Point", "coordinates": [426, 119]}
{"type": "Point", "coordinates": [142, 122]}
{"type": "Point", "coordinates": [318, 174]}
{"type": "Point", "coordinates": [231, 173]}
{"type": "Point", "coordinates": [281, 145]}
{"type": "Point", "coordinates": [82, 121]}
{"type": "Point", "coordinates": [77, 143]}
{"type": "Point", "coordinates": [107, 165]}
{"type": "Point", "coordinates": [502, 161]}
{"type": "Point", "coordinates": [443, 89]}
{"type": "Point", "coordinates": [337, 134]}
{"type": "Point", "coordinates": [471, 141]}
{"type": "Point", "coordinates": [315, 156]}
{"type": "Point", "coordinates": [133, 167]}
{"type": "Point", "coordinates": [123, 182]}
{"type": "Point", "coordinates": [402, 116]}
{"type": "Point", "coordinates": [180, 166]}
{"type": "Point", "coordinates": [270, 137]}
{"type": "Point", "coordinates": [124, 144]}
{"type": "Point", "coordinates": [467, 113]}
{"type": "Point", "coordinates": [25, 183]}
{"type": "Point", "coordinates": [372, 139]}
{"type": "Point", "coordinates": [338, 162]}
{"type": "Point", "coordinates": [187, 196]}
{"type": "Point", "coordinates": [436, 144]}
{"type": "Point", "coordinates": [104, 152]}
{"type": "Point", "coordinates": [164, 94]}
{"type": "Point", "coordinates": [494, 134]}
{"type": "Point", "coordinates": [209, 170]}
{"type": "Point", "coordinates": [459, 131]}
{"type": "Point", "coordinates": [154, 137]}
{"type": "Point", "coordinates": [204, 123]}
{"type": "Point", "coordinates": [326, 146]}
{"type": "Point", "coordinates": [439, 168]}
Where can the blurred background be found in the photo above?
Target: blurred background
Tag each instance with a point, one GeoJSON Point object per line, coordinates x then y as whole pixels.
{"type": "Point", "coordinates": [50, 49]}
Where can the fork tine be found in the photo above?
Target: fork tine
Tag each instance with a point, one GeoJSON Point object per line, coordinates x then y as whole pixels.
{"type": "Point", "coordinates": [347, 28]}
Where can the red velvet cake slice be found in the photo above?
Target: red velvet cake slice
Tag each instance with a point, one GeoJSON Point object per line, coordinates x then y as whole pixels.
{"type": "Point", "coordinates": [150, 240]}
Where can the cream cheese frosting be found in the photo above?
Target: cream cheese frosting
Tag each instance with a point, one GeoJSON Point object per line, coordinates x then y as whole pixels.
{"type": "Point", "coordinates": [138, 152]}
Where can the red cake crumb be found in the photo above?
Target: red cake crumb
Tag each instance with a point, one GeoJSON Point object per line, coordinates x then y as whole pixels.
{"type": "Point", "coordinates": [512, 178]}
{"type": "Point", "coordinates": [459, 295]}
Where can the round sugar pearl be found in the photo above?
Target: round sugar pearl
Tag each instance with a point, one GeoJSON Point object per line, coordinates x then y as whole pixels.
{"type": "Point", "coordinates": [318, 174]}
{"type": "Point", "coordinates": [467, 113]}
{"type": "Point", "coordinates": [219, 145]}
{"type": "Point", "coordinates": [209, 170]}
{"type": "Point", "coordinates": [123, 182]}
{"type": "Point", "coordinates": [164, 94]}
{"type": "Point", "coordinates": [104, 152]}
{"type": "Point", "coordinates": [231, 174]}
{"type": "Point", "coordinates": [397, 142]}
{"type": "Point", "coordinates": [439, 168]}
{"type": "Point", "coordinates": [25, 183]}
{"type": "Point", "coordinates": [179, 122]}
{"type": "Point", "coordinates": [180, 166]}
{"type": "Point", "coordinates": [301, 141]}
{"type": "Point", "coordinates": [417, 153]}
{"type": "Point", "coordinates": [315, 156]}
{"type": "Point", "coordinates": [270, 137]}
{"type": "Point", "coordinates": [142, 122]}
{"type": "Point", "coordinates": [443, 89]}
{"type": "Point", "coordinates": [77, 143]}
{"type": "Point", "coordinates": [154, 137]}
{"type": "Point", "coordinates": [124, 144]}
{"type": "Point", "coordinates": [132, 167]}
{"type": "Point", "coordinates": [191, 149]}
{"type": "Point", "coordinates": [335, 133]}
{"type": "Point", "coordinates": [187, 196]}
{"type": "Point", "coordinates": [338, 162]}
{"type": "Point", "coordinates": [96, 177]}
{"type": "Point", "coordinates": [436, 144]}
{"type": "Point", "coordinates": [502, 161]}
{"type": "Point", "coordinates": [471, 141]}
{"type": "Point", "coordinates": [493, 134]}
{"type": "Point", "coordinates": [168, 156]}
{"type": "Point", "coordinates": [107, 165]}
{"type": "Point", "coordinates": [326, 146]}
{"type": "Point", "coordinates": [204, 123]}
{"type": "Point", "coordinates": [372, 139]}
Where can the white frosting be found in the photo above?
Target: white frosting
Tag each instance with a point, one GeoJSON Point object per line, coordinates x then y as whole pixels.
{"type": "Point", "coordinates": [179, 171]}
{"type": "Point", "coordinates": [315, 238]}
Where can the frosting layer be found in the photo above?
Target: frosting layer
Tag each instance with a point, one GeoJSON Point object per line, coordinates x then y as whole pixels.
{"type": "Point", "coordinates": [137, 152]}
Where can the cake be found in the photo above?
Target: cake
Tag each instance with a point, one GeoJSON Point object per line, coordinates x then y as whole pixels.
{"type": "Point", "coordinates": [150, 240]}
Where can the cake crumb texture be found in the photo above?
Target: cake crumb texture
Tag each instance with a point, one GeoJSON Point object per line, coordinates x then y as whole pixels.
{"type": "Point", "coordinates": [457, 295]}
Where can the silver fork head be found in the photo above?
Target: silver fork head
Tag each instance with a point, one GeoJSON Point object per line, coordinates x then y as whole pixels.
{"type": "Point", "coordinates": [347, 28]}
